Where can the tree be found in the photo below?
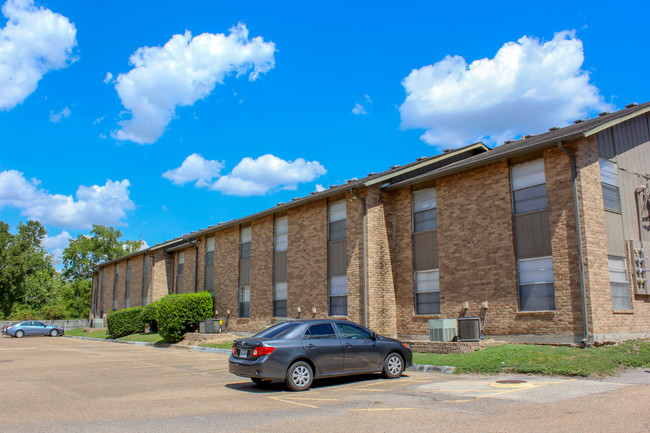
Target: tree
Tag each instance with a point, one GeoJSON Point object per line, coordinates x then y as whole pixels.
{"type": "Point", "coordinates": [26, 269]}
{"type": "Point", "coordinates": [84, 253]}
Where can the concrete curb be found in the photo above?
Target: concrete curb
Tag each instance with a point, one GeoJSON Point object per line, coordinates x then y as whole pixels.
{"type": "Point", "coordinates": [159, 345]}
{"type": "Point", "coordinates": [417, 367]}
{"type": "Point", "coordinates": [432, 368]}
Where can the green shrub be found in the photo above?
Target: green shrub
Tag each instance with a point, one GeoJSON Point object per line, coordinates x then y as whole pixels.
{"type": "Point", "coordinates": [178, 314]}
{"type": "Point", "coordinates": [125, 322]}
{"type": "Point", "coordinates": [149, 314]}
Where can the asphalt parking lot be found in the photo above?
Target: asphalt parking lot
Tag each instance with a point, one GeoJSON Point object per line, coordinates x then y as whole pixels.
{"type": "Point", "coordinates": [67, 384]}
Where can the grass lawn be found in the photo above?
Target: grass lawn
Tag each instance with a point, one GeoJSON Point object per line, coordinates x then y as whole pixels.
{"type": "Point", "coordinates": [548, 360]}
{"type": "Point", "coordinates": [101, 333]}
{"type": "Point", "coordinates": [223, 345]}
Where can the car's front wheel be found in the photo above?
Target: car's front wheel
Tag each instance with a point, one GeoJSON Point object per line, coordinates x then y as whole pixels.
{"type": "Point", "coordinates": [393, 366]}
{"type": "Point", "coordinates": [19, 334]}
{"type": "Point", "coordinates": [299, 376]}
{"type": "Point", "coordinates": [54, 333]}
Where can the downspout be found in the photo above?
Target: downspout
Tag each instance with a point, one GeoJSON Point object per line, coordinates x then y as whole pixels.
{"type": "Point", "coordinates": [576, 210]}
{"type": "Point", "coordinates": [196, 263]}
{"type": "Point", "coordinates": [365, 267]}
{"type": "Point", "coordinates": [639, 210]}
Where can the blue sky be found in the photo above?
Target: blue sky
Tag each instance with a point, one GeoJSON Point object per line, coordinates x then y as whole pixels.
{"type": "Point", "coordinates": [160, 118]}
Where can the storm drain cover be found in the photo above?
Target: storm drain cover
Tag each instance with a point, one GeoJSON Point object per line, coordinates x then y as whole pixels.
{"type": "Point", "coordinates": [511, 383]}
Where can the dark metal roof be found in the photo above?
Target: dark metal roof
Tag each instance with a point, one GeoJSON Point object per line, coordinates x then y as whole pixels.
{"type": "Point", "coordinates": [532, 143]}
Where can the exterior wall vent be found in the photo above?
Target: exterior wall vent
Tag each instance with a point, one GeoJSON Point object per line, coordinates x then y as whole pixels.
{"type": "Point", "coordinates": [442, 329]}
{"type": "Point", "coordinates": [633, 104]}
{"type": "Point", "coordinates": [469, 329]}
{"type": "Point", "coordinates": [554, 128]}
{"type": "Point", "coordinates": [578, 121]}
{"type": "Point", "coordinates": [604, 113]}
{"type": "Point", "coordinates": [508, 141]}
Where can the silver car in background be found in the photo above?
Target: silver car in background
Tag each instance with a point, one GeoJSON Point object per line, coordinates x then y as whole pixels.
{"type": "Point", "coordinates": [32, 327]}
{"type": "Point", "coordinates": [300, 351]}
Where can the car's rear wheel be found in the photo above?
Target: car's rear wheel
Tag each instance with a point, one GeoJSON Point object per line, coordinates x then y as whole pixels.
{"type": "Point", "coordinates": [54, 333]}
{"type": "Point", "coordinates": [299, 376]}
{"type": "Point", "coordinates": [393, 366]}
{"type": "Point", "coordinates": [19, 334]}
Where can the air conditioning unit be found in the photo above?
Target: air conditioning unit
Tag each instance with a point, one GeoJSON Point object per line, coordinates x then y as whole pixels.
{"type": "Point", "coordinates": [97, 323]}
{"type": "Point", "coordinates": [442, 329]}
{"type": "Point", "coordinates": [469, 329]}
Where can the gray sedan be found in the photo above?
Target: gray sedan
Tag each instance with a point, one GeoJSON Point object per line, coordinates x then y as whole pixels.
{"type": "Point", "coordinates": [298, 352]}
{"type": "Point", "coordinates": [32, 327]}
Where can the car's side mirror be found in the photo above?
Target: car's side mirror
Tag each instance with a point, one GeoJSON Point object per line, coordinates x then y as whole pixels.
{"type": "Point", "coordinates": [373, 336]}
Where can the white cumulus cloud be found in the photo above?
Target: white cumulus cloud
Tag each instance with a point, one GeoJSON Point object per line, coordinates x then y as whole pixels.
{"type": "Point", "coordinates": [182, 72]}
{"type": "Point", "coordinates": [358, 109]}
{"type": "Point", "coordinates": [528, 86]}
{"type": "Point", "coordinates": [268, 172]}
{"type": "Point", "coordinates": [57, 117]}
{"type": "Point", "coordinates": [249, 177]}
{"type": "Point", "coordinates": [34, 41]}
{"type": "Point", "coordinates": [94, 204]}
{"type": "Point", "coordinates": [195, 168]}
{"type": "Point", "coordinates": [56, 244]}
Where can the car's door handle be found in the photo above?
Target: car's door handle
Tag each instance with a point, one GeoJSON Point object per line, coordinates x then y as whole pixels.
{"type": "Point", "coordinates": [348, 346]}
{"type": "Point", "coordinates": [310, 346]}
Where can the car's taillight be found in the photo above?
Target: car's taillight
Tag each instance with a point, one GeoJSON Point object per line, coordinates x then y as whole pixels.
{"type": "Point", "coordinates": [263, 350]}
{"type": "Point", "coordinates": [234, 352]}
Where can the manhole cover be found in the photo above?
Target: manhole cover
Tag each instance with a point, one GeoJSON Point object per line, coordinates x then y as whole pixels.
{"type": "Point", "coordinates": [511, 382]}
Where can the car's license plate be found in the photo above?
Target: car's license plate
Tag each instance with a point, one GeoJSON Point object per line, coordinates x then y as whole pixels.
{"type": "Point", "coordinates": [243, 353]}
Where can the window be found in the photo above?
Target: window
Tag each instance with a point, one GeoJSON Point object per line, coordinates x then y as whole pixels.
{"type": "Point", "coordinates": [322, 331]}
{"type": "Point", "coordinates": [425, 214]}
{"type": "Point", "coordinates": [427, 292]}
{"type": "Point", "coordinates": [281, 244]}
{"type": "Point", "coordinates": [127, 286]}
{"type": "Point", "coordinates": [101, 300]}
{"type": "Point", "coordinates": [609, 182]}
{"type": "Point", "coordinates": [339, 296]}
{"type": "Point", "coordinates": [180, 267]}
{"type": "Point", "coordinates": [208, 280]}
{"type": "Point", "coordinates": [536, 292]}
{"type": "Point", "coordinates": [245, 301]}
{"type": "Point", "coordinates": [280, 300]}
{"type": "Point", "coordinates": [353, 332]}
{"type": "Point", "coordinates": [618, 283]}
{"type": "Point", "coordinates": [146, 260]}
{"type": "Point", "coordinates": [281, 234]}
{"type": "Point", "coordinates": [245, 243]}
{"type": "Point", "coordinates": [337, 218]}
{"type": "Point", "coordinates": [115, 278]}
{"type": "Point", "coordinates": [337, 259]}
{"type": "Point", "coordinates": [529, 187]}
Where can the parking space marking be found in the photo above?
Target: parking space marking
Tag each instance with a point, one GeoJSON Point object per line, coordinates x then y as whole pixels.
{"type": "Point", "coordinates": [291, 400]}
{"type": "Point", "coordinates": [377, 409]}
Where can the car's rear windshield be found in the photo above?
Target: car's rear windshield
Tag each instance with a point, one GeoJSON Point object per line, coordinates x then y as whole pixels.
{"type": "Point", "coordinates": [279, 330]}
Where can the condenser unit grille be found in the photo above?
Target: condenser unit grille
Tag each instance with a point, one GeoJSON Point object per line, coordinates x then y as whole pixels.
{"type": "Point", "coordinates": [442, 329]}
{"type": "Point", "coordinates": [469, 329]}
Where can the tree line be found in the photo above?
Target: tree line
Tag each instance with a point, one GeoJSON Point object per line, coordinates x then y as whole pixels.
{"type": "Point", "coordinates": [30, 285]}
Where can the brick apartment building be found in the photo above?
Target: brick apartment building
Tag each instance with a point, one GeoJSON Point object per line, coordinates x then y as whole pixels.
{"type": "Point", "coordinates": [469, 232]}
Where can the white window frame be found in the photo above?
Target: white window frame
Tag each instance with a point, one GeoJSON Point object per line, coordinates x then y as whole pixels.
{"type": "Point", "coordinates": [426, 282]}
{"type": "Point", "coordinates": [609, 179]}
{"type": "Point", "coordinates": [524, 176]}
{"type": "Point", "coordinates": [619, 283]}
{"type": "Point", "coordinates": [535, 276]}
{"type": "Point", "coordinates": [281, 234]}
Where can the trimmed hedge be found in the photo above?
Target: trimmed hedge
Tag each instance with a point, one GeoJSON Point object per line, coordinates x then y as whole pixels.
{"type": "Point", "coordinates": [149, 315]}
{"type": "Point", "coordinates": [178, 314]}
{"type": "Point", "coordinates": [125, 322]}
